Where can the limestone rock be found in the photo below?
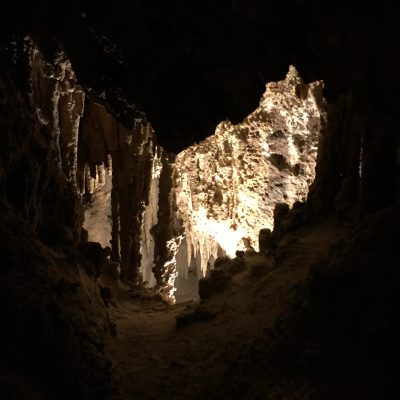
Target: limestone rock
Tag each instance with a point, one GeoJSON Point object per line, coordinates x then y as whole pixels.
{"type": "Point", "coordinates": [227, 186]}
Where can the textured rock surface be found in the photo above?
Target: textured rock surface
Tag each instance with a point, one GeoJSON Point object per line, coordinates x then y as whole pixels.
{"type": "Point", "coordinates": [54, 323]}
{"type": "Point", "coordinates": [39, 152]}
{"type": "Point", "coordinates": [150, 220]}
{"type": "Point", "coordinates": [97, 206]}
{"type": "Point", "coordinates": [120, 210]}
{"type": "Point", "coordinates": [227, 186]}
{"type": "Point", "coordinates": [132, 213]}
{"type": "Point", "coordinates": [165, 233]}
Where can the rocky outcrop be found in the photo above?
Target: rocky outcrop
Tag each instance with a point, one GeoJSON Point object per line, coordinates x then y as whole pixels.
{"type": "Point", "coordinates": [227, 186]}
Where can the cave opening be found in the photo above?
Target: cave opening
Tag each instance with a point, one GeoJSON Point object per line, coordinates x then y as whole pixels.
{"type": "Point", "coordinates": [167, 218]}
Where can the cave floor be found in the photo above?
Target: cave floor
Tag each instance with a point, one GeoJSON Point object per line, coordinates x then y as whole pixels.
{"type": "Point", "coordinates": [153, 358]}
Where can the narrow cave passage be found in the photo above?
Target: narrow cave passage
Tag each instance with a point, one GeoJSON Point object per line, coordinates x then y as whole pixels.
{"type": "Point", "coordinates": [219, 339]}
{"type": "Point", "coordinates": [169, 218]}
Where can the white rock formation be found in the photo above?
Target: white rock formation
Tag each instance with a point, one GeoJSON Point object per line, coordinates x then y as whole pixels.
{"type": "Point", "coordinates": [161, 218]}
{"type": "Point", "coordinates": [150, 219]}
{"type": "Point", "coordinates": [227, 186]}
{"type": "Point", "coordinates": [98, 210]}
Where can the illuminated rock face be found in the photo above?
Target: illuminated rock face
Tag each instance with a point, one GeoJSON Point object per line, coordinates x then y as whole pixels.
{"type": "Point", "coordinates": [131, 212]}
{"type": "Point", "coordinates": [159, 218]}
{"type": "Point", "coordinates": [97, 210]}
{"type": "Point", "coordinates": [228, 185]}
{"type": "Point", "coordinates": [150, 219]}
{"type": "Point", "coordinates": [162, 218]}
{"type": "Point", "coordinates": [119, 172]}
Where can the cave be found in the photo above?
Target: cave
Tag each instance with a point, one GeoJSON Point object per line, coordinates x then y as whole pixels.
{"type": "Point", "coordinates": [199, 200]}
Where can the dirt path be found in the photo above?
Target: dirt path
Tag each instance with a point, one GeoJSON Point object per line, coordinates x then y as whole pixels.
{"type": "Point", "coordinates": [156, 360]}
{"type": "Point", "coordinates": [149, 353]}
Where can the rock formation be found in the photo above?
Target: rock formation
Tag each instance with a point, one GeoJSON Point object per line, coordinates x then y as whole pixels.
{"type": "Point", "coordinates": [48, 103]}
{"type": "Point", "coordinates": [105, 144]}
{"type": "Point", "coordinates": [212, 200]}
{"type": "Point", "coordinates": [70, 114]}
{"type": "Point", "coordinates": [227, 186]}
{"type": "Point", "coordinates": [52, 304]}
{"type": "Point", "coordinates": [132, 212]}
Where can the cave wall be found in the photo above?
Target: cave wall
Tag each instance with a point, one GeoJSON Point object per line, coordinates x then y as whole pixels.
{"type": "Point", "coordinates": [137, 200]}
{"type": "Point", "coordinates": [55, 324]}
{"type": "Point", "coordinates": [64, 157]}
{"type": "Point", "coordinates": [39, 135]}
{"type": "Point", "coordinates": [62, 151]}
{"type": "Point", "coordinates": [228, 185]}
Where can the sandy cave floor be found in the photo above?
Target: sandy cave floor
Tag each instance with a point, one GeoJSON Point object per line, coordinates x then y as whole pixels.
{"type": "Point", "coordinates": [153, 358]}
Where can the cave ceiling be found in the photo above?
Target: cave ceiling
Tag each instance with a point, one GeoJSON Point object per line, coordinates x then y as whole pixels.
{"type": "Point", "coordinates": [189, 65]}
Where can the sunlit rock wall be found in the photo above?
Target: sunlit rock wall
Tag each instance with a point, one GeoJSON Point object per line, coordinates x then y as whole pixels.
{"type": "Point", "coordinates": [227, 186]}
